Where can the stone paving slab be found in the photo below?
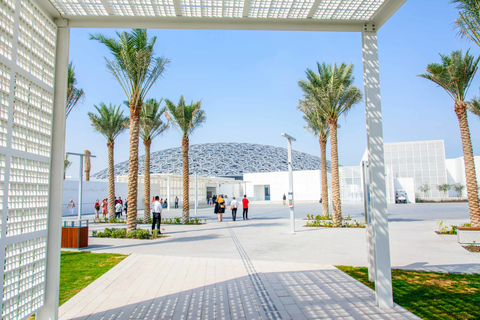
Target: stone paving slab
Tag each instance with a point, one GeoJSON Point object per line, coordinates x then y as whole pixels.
{"type": "Point", "coordinates": [168, 287]}
{"type": "Point", "coordinates": [414, 245]}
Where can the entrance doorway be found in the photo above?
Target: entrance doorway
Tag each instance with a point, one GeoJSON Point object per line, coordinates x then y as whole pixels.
{"type": "Point", "coordinates": [262, 192]}
{"type": "Point", "coordinates": [267, 192]}
{"type": "Point", "coordinates": [210, 192]}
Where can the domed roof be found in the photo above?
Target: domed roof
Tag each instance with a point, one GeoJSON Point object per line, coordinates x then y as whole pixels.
{"type": "Point", "coordinates": [222, 159]}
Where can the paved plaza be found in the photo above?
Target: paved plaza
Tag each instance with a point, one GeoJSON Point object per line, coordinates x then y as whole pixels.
{"type": "Point", "coordinates": [256, 269]}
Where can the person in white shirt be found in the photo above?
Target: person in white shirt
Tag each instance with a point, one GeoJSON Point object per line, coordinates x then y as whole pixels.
{"type": "Point", "coordinates": [71, 207]}
{"type": "Point", "coordinates": [118, 210]}
{"type": "Point", "coordinates": [157, 213]}
{"type": "Point", "coordinates": [234, 207]}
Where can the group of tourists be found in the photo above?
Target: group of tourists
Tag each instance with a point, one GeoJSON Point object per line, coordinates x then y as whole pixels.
{"type": "Point", "coordinates": [102, 206]}
{"type": "Point", "coordinates": [164, 203]}
{"type": "Point", "coordinates": [221, 203]}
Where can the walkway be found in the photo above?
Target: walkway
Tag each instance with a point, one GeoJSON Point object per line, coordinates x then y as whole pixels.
{"type": "Point", "coordinates": [255, 269]}
{"type": "Point", "coordinates": [169, 287]}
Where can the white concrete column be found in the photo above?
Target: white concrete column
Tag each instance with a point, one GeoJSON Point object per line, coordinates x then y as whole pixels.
{"type": "Point", "coordinates": [378, 195]}
{"type": "Point", "coordinates": [196, 193]}
{"type": "Point", "coordinates": [290, 187]}
{"type": "Point", "coordinates": [168, 193]}
{"type": "Point", "coordinates": [55, 198]}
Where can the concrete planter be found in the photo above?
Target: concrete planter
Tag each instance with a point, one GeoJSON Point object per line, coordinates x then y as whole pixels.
{"type": "Point", "coordinates": [467, 235]}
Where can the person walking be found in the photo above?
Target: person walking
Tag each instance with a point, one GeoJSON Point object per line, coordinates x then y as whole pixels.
{"type": "Point", "coordinates": [284, 199]}
{"type": "Point", "coordinates": [118, 210]}
{"type": "Point", "coordinates": [214, 199]}
{"type": "Point", "coordinates": [176, 202]}
{"type": "Point", "coordinates": [219, 208]}
{"type": "Point", "coordinates": [157, 213]}
{"type": "Point", "coordinates": [234, 207]}
{"type": "Point", "coordinates": [165, 203]}
{"type": "Point", "coordinates": [104, 208]}
{"type": "Point", "coordinates": [96, 206]}
{"type": "Point", "coordinates": [245, 207]}
{"type": "Point", "coordinates": [125, 207]}
{"type": "Point", "coordinates": [71, 207]}
{"type": "Point", "coordinates": [227, 201]}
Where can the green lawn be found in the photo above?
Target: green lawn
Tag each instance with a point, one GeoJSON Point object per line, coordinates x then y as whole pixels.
{"type": "Point", "coordinates": [79, 269]}
{"type": "Point", "coordinates": [431, 295]}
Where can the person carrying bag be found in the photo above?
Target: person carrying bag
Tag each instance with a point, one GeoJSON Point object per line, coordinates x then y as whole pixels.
{"type": "Point", "coordinates": [219, 208]}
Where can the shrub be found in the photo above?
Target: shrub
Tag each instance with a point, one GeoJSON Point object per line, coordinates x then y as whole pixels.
{"type": "Point", "coordinates": [119, 233]}
{"type": "Point", "coordinates": [108, 232]}
{"type": "Point", "coordinates": [155, 233]}
{"type": "Point", "coordinates": [132, 234]}
{"type": "Point", "coordinates": [143, 234]}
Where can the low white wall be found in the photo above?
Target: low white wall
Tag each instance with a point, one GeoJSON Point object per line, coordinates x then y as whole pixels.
{"type": "Point", "coordinates": [92, 190]}
{"type": "Point", "coordinates": [456, 174]}
{"type": "Point", "coordinates": [306, 184]}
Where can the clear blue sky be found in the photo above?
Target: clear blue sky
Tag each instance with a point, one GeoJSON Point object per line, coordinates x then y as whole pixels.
{"type": "Point", "coordinates": [247, 81]}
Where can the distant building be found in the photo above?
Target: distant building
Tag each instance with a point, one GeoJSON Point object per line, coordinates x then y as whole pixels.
{"type": "Point", "coordinates": [260, 171]}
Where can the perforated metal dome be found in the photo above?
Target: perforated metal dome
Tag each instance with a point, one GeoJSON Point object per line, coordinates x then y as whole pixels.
{"type": "Point", "coordinates": [222, 159]}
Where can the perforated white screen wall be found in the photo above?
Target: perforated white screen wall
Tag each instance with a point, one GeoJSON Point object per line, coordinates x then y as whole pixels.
{"type": "Point", "coordinates": [27, 53]}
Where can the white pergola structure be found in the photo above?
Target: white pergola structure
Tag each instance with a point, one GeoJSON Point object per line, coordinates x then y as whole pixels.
{"type": "Point", "coordinates": [34, 45]}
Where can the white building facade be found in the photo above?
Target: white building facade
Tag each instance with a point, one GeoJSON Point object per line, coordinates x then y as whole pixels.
{"type": "Point", "coordinates": [408, 166]}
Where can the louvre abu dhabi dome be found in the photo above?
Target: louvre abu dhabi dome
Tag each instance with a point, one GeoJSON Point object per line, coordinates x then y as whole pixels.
{"type": "Point", "coordinates": [220, 160]}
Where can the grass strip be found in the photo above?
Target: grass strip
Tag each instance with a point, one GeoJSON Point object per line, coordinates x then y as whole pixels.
{"type": "Point", "coordinates": [431, 295]}
{"type": "Point", "coordinates": [79, 269]}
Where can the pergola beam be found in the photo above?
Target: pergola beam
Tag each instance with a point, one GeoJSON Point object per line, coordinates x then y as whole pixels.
{"type": "Point", "coordinates": [215, 23]}
{"type": "Point", "coordinates": [211, 23]}
{"type": "Point", "coordinates": [385, 12]}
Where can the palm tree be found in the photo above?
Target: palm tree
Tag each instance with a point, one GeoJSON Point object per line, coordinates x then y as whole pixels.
{"type": "Point", "coordinates": [109, 122]}
{"type": "Point", "coordinates": [186, 118]}
{"type": "Point", "coordinates": [87, 164]}
{"type": "Point", "coordinates": [468, 21]}
{"type": "Point", "coordinates": [333, 91]}
{"type": "Point", "coordinates": [455, 74]}
{"type": "Point", "coordinates": [318, 125]}
{"type": "Point", "coordinates": [136, 70]}
{"type": "Point", "coordinates": [151, 126]}
{"type": "Point", "coordinates": [74, 94]}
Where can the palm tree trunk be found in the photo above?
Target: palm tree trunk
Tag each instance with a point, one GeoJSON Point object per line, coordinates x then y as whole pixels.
{"type": "Point", "coordinates": [111, 181]}
{"type": "Point", "coordinates": [147, 145]}
{"type": "Point", "coordinates": [323, 159]}
{"type": "Point", "coordinates": [186, 177]}
{"type": "Point", "coordinates": [472, 188]}
{"type": "Point", "coordinates": [133, 167]}
{"type": "Point", "coordinates": [337, 205]}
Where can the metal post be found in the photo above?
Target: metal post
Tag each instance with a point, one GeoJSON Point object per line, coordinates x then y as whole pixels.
{"type": "Point", "coordinates": [80, 188]}
{"type": "Point", "coordinates": [378, 198]}
{"type": "Point", "coordinates": [196, 193]}
{"type": "Point", "coordinates": [168, 193]}
{"type": "Point", "coordinates": [80, 179]}
{"type": "Point", "coordinates": [55, 194]}
{"type": "Point", "coordinates": [290, 181]}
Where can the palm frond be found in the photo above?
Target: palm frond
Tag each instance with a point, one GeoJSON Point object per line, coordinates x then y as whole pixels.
{"type": "Point", "coordinates": [331, 90]}
{"type": "Point", "coordinates": [316, 123]}
{"type": "Point", "coordinates": [134, 65]}
{"type": "Point", "coordinates": [474, 106]}
{"type": "Point", "coordinates": [74, 94]}
{"type": "Point", "coordinates": [468, 21]}
{"type": "Point", "coordinates": [186, 118]}
{"type": "Point", "coordinates": [151, 124]}
{"type": "Point", "coordinates": [109, 121]}
{"type": "Point", "coordinates": [454, 74]}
